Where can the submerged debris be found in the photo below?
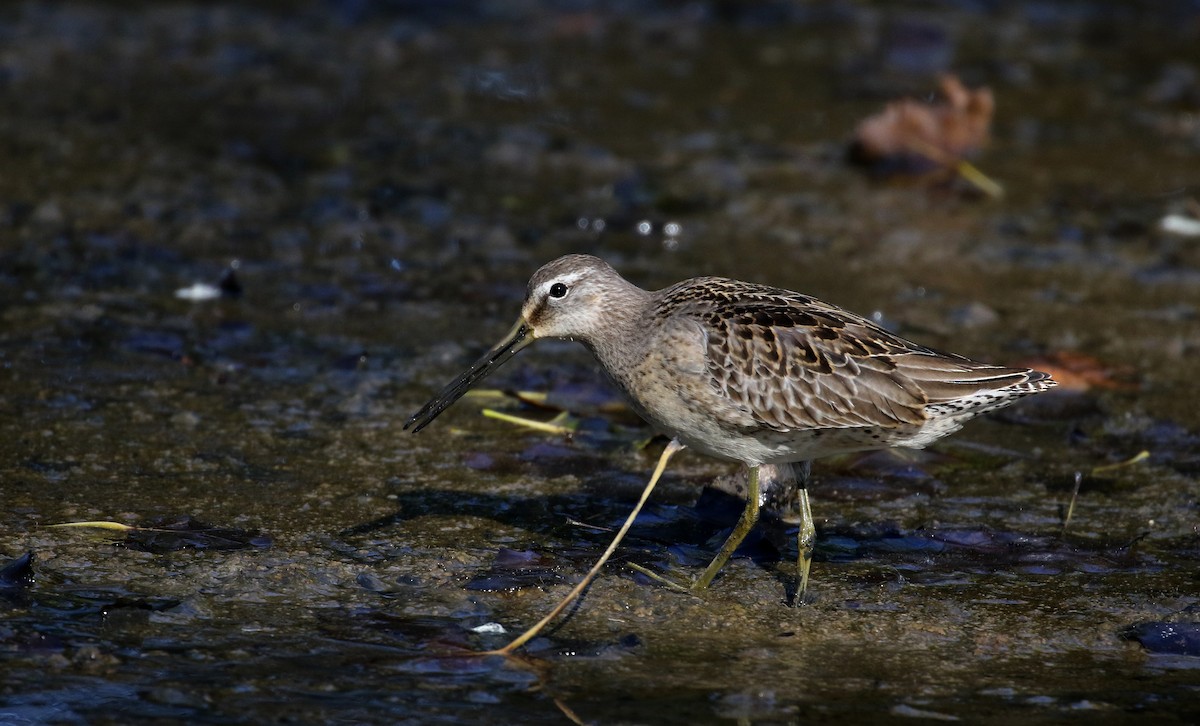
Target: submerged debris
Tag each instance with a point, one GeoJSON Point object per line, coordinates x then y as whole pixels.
{"type": "Point", "coordinates": [515, 569]}
{"type": "Point", "coordinates": [17, 573]}
{"type": "Point", "coordinates": [1179, 634]}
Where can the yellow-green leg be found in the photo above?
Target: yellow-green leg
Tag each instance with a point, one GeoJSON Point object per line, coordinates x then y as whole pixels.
{"type": "Point", "coordinates": [745, 524]}
{"type": "Point", "coordinates": [807, 536]}
{"type": "Point", "coordinates": [804, 544]}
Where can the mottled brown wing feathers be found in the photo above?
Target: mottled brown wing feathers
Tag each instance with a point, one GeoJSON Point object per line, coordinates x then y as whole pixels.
{"type": "Point", "coordinates": [794, 362]}
{"type": "Point", "coordinates": [946, 378]}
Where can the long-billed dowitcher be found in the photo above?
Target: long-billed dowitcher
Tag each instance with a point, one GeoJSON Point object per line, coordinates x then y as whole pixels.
{"type": "Point", "coordinates": [750, 373]}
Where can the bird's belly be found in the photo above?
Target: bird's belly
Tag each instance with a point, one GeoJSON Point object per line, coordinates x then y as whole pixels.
{"type": "Point", "coordinates": [704, 429]}
{"type": "Point", "coordinates": [807, 444]}
{"type": "Point", "coordinates": [704, 433]}
{"type": "Point", "coordinates": [782, 447]}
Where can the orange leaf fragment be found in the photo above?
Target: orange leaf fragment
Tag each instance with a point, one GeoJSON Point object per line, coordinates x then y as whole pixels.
{"type": "Point", "coordinates": [916, 135]}
{"type": "Point", "coordinates": [1076, 371]}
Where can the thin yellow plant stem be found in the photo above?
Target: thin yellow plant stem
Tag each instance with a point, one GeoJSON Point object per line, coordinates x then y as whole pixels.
{"type": "Point", "coordinates": [672, 448]}
{"type": "Point", "coordinates": [549, 427]}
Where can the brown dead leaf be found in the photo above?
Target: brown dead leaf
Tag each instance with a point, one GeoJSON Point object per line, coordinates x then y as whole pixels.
{"type": "Point", "coordinates": [913, 136]}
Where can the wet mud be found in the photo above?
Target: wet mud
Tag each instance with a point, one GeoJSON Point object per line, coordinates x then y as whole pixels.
{"type": "Point", "coordinates": [240, 243]}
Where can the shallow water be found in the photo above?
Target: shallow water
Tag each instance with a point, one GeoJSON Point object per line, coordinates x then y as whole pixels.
{"type": "Point", "coordinates": [383, 182]}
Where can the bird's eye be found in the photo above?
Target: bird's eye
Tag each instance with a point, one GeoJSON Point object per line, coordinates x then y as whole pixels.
{"type": "Point", "coordinates": [558, 289]}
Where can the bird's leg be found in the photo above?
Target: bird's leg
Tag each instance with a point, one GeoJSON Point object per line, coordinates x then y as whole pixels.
{"type": "Point", "coordinates": [673, 448]}
{"type": "Point", "coordinates": [744, 525]}
{"type": "Point", "coordinates": [807, 535]}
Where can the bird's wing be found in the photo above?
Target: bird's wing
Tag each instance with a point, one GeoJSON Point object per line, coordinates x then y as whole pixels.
{"type": "Point", "coordinates": [788, 361]}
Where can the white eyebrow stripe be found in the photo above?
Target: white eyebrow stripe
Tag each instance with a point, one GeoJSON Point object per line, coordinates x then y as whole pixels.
{"type": "Point", "coordinates": [568, 280]}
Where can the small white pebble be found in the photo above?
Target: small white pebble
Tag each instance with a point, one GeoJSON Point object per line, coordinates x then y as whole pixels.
{"type": "Point", "coordinates": [489, 629]}
{"type": "Point", "coordinates": [198, 292]}
{"type": "Point", "coordinates": [1181, 225]}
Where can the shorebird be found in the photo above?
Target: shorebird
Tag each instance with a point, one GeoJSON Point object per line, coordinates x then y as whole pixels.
{"type": "Point", "coordinates": [748, 373]}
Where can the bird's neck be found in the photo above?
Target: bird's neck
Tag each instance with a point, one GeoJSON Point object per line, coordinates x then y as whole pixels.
{"type": "Point", "coordinates": [625, 325]}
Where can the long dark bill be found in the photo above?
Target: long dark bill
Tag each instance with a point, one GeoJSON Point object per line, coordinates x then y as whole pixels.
{"type": "Point", "coordinates": [516, 339]}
